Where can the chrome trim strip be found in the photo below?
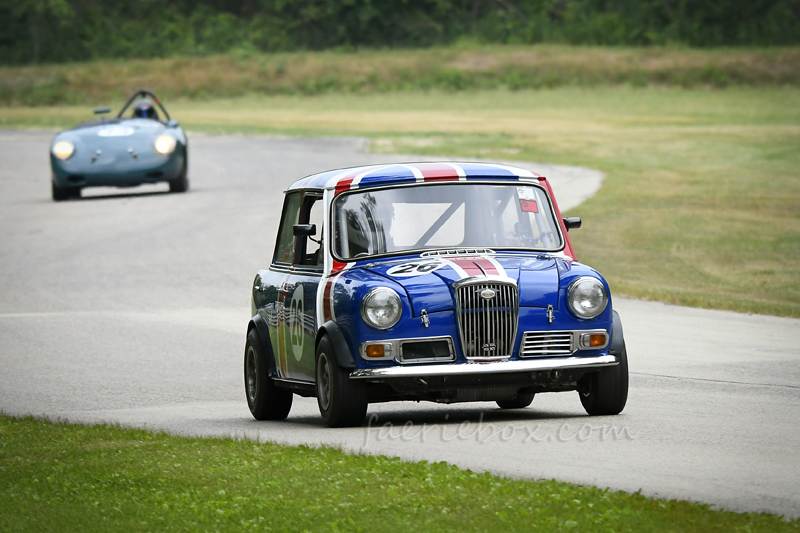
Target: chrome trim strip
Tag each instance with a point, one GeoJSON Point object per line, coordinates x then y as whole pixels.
{"type": "Point", "coordinates": [476, 369]}
{"type": "Point", "coordinates": [290, 381]}
{"type": "Point", "coordinates": [479, 280]}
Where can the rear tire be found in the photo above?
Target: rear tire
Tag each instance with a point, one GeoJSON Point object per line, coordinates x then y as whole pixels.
{"type": "Point", "coordinates": [342, 402]}
{"type": "Point", "coordinates": [181, 182]}
{"type": "Point", "coordinates": [520, 402]}
{"type": "Point", "coordinates": [265, 400]}
{"type": "Point", "coordinates": [606, 392]}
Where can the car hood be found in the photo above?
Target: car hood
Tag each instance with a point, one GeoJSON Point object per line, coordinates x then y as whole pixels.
{"type": "Point", "coordinates": [429, 280]}
{"type": "Point", "coordinates": [114, 135]}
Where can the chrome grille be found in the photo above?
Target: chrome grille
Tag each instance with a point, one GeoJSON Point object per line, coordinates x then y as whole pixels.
{"type": "Point", "coordinates": [546, 343]}
{"type": "Point", "coordinates": [487, 326]}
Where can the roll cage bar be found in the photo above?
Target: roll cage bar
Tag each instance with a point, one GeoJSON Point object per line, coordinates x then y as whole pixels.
{"type": "Point", "coordinates": [144, 92]}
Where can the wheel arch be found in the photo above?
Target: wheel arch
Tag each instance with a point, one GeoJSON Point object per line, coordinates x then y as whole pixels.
{"type": "Point", "coordinates": [617, 336]}
{"type": "Point", "coordinates": [343, 354]}
{"type": "Point", "coordinates": [261, 328]}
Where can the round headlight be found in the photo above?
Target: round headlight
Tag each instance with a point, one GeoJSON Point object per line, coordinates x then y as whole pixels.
{"type": "Point", "coordinates": [63, 149]}
{"type": "Point", "coordinates": [381, 308]}
{"type": "Point", "coordinates": [587, 297]}
{"type": "Point", "coordinates": [165, 144]}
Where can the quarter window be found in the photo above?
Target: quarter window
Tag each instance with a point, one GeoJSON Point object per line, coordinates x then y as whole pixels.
{"type": "Point", "coordinates": [284, 250]}
{"type": "Point", "coordinates": [311, 247]}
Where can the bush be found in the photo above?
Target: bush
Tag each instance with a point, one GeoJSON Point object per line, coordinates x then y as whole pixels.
{"type": "Point", "coordinates": [34, 31]}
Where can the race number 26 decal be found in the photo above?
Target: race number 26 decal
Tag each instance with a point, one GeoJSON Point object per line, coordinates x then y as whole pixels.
{"type": "Point", "coordinates": [414, 269]}
{"type": "Point", "coordinates": [296, 318]}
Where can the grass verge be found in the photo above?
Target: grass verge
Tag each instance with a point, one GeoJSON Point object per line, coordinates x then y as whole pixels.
{"type": "Point", "coordinates": [452, 69]}
{"type": "Point", "coordinates": [98, 478]}
{"type": "Point", "coordinates": [701, 205]}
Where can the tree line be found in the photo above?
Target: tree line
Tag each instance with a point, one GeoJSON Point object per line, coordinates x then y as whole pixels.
{"type": "Point", "coordinates": [47, 31]}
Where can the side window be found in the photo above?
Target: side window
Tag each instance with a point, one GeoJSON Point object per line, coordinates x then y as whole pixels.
{"type": "Point", "coordinates": [311, 248]}
{"type": "Point", "coordinates": [284, 249]}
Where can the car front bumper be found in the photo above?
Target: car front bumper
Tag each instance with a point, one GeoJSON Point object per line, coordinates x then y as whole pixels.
{"type": "Point", "coordinates": [117, 171]}
{"type": "Point", "coordinates": [484, 369]}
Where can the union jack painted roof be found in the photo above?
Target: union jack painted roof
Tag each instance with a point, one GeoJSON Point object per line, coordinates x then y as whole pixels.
{"type": "Point", "coordinates": [401, 173]}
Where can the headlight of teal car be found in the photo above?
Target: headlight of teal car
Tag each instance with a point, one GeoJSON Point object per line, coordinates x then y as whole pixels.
{"type": "Point", "coordinates": [381, 308]}
{"type": "Point", "coordinates": [63, 150]}
{"type": "Point", "coordinates": [165, 144]}
{"type": "Point", "coordinates": [587, 297]}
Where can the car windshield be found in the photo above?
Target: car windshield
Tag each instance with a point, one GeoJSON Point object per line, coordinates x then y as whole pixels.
{"type": "Point", "coordinates": [442, 217]}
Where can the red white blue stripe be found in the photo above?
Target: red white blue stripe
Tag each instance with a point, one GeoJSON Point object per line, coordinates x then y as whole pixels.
{"type": "Point", "coordinates": [407, 173]}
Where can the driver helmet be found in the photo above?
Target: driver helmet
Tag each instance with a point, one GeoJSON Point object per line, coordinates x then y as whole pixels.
{"type": "Point", "coordinates": [144, 108]}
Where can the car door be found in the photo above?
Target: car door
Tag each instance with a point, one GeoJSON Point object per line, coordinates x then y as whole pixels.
{"type": "Point", "coordinates": [299, 328]}
{"type": "Point", "coordinates": [271, 285]}
{"type": "Point", "coordinates": [286, 293]}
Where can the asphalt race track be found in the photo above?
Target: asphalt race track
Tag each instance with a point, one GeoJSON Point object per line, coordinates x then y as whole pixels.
{"type": "Point", "coordinates": [130, 306]}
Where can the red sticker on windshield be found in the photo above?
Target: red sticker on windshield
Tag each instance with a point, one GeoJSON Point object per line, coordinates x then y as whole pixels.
{"type": "Point", "coordinates": [529, 206]}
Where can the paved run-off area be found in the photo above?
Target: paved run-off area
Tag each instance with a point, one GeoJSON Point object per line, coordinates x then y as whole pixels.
{"type": "Point", "coordinates": [131, 307]}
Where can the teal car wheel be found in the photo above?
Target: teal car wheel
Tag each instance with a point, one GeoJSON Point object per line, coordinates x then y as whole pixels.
{"type": "Point", "coordinates": [64, 193]}
{"type": "Point", "coordinates": [181, 182]}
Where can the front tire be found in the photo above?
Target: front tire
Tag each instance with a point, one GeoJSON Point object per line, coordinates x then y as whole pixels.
{"type": "Point", "coordinates": [606, 392]}
{"type": "Point", "coordinates": [265, 400]}
{"type": "Point", "coordinates": [181, 182]}
{"type": "Point", "coordinates": [342, 402]}
{"type": "Point", "coordinates": [522, 401]}
{"type": "Point", "coordinates": [64, 193]}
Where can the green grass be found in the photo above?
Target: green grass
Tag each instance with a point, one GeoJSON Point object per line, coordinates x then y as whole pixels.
{"type": "Point", "coordinates": [98, 478]}
{"type": "Point", "coordinates": [700, 207]}
{"type": "Point", "coordinates": [455, 69]}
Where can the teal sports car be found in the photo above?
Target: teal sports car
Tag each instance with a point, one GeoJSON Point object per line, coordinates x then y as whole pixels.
{"type": "Point", "coordinates": [143, 147]}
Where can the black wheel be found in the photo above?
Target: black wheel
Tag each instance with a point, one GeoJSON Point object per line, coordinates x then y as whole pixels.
{"type": "Point", "coordinates": [64, 193]}
{"type": "Point", "coordinates": [522, 401]}
{"type": "Point", "coordinates": [605, 392]}
{"type": "Point", "coordinates": [181, 182]}
{"type": "Point", "coordinates": [342, 401]}
{"type": "Point", "coordinates": [265, 400]}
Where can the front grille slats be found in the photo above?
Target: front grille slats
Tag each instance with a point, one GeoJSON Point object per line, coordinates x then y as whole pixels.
{"type": "Point", "coordinates": [487, 326]}
{"type": "Point", "coordinates": [546, 343]}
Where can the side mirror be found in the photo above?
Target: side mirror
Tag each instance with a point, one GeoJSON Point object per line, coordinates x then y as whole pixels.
{"type": "Point", "coordinates": [102, 110]}
{"type": "Point", "coordinates": [572, 223]}
{"type": "Point", "coordinates": [304, 230]}
{"type": "Point", "coordinates": [172, 123]}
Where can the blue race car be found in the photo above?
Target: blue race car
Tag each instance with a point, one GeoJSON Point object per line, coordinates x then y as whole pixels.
{"type": "Point", "coordinates": [446, 282]}
{"type": "Point", "coordinates": [144, 147]}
